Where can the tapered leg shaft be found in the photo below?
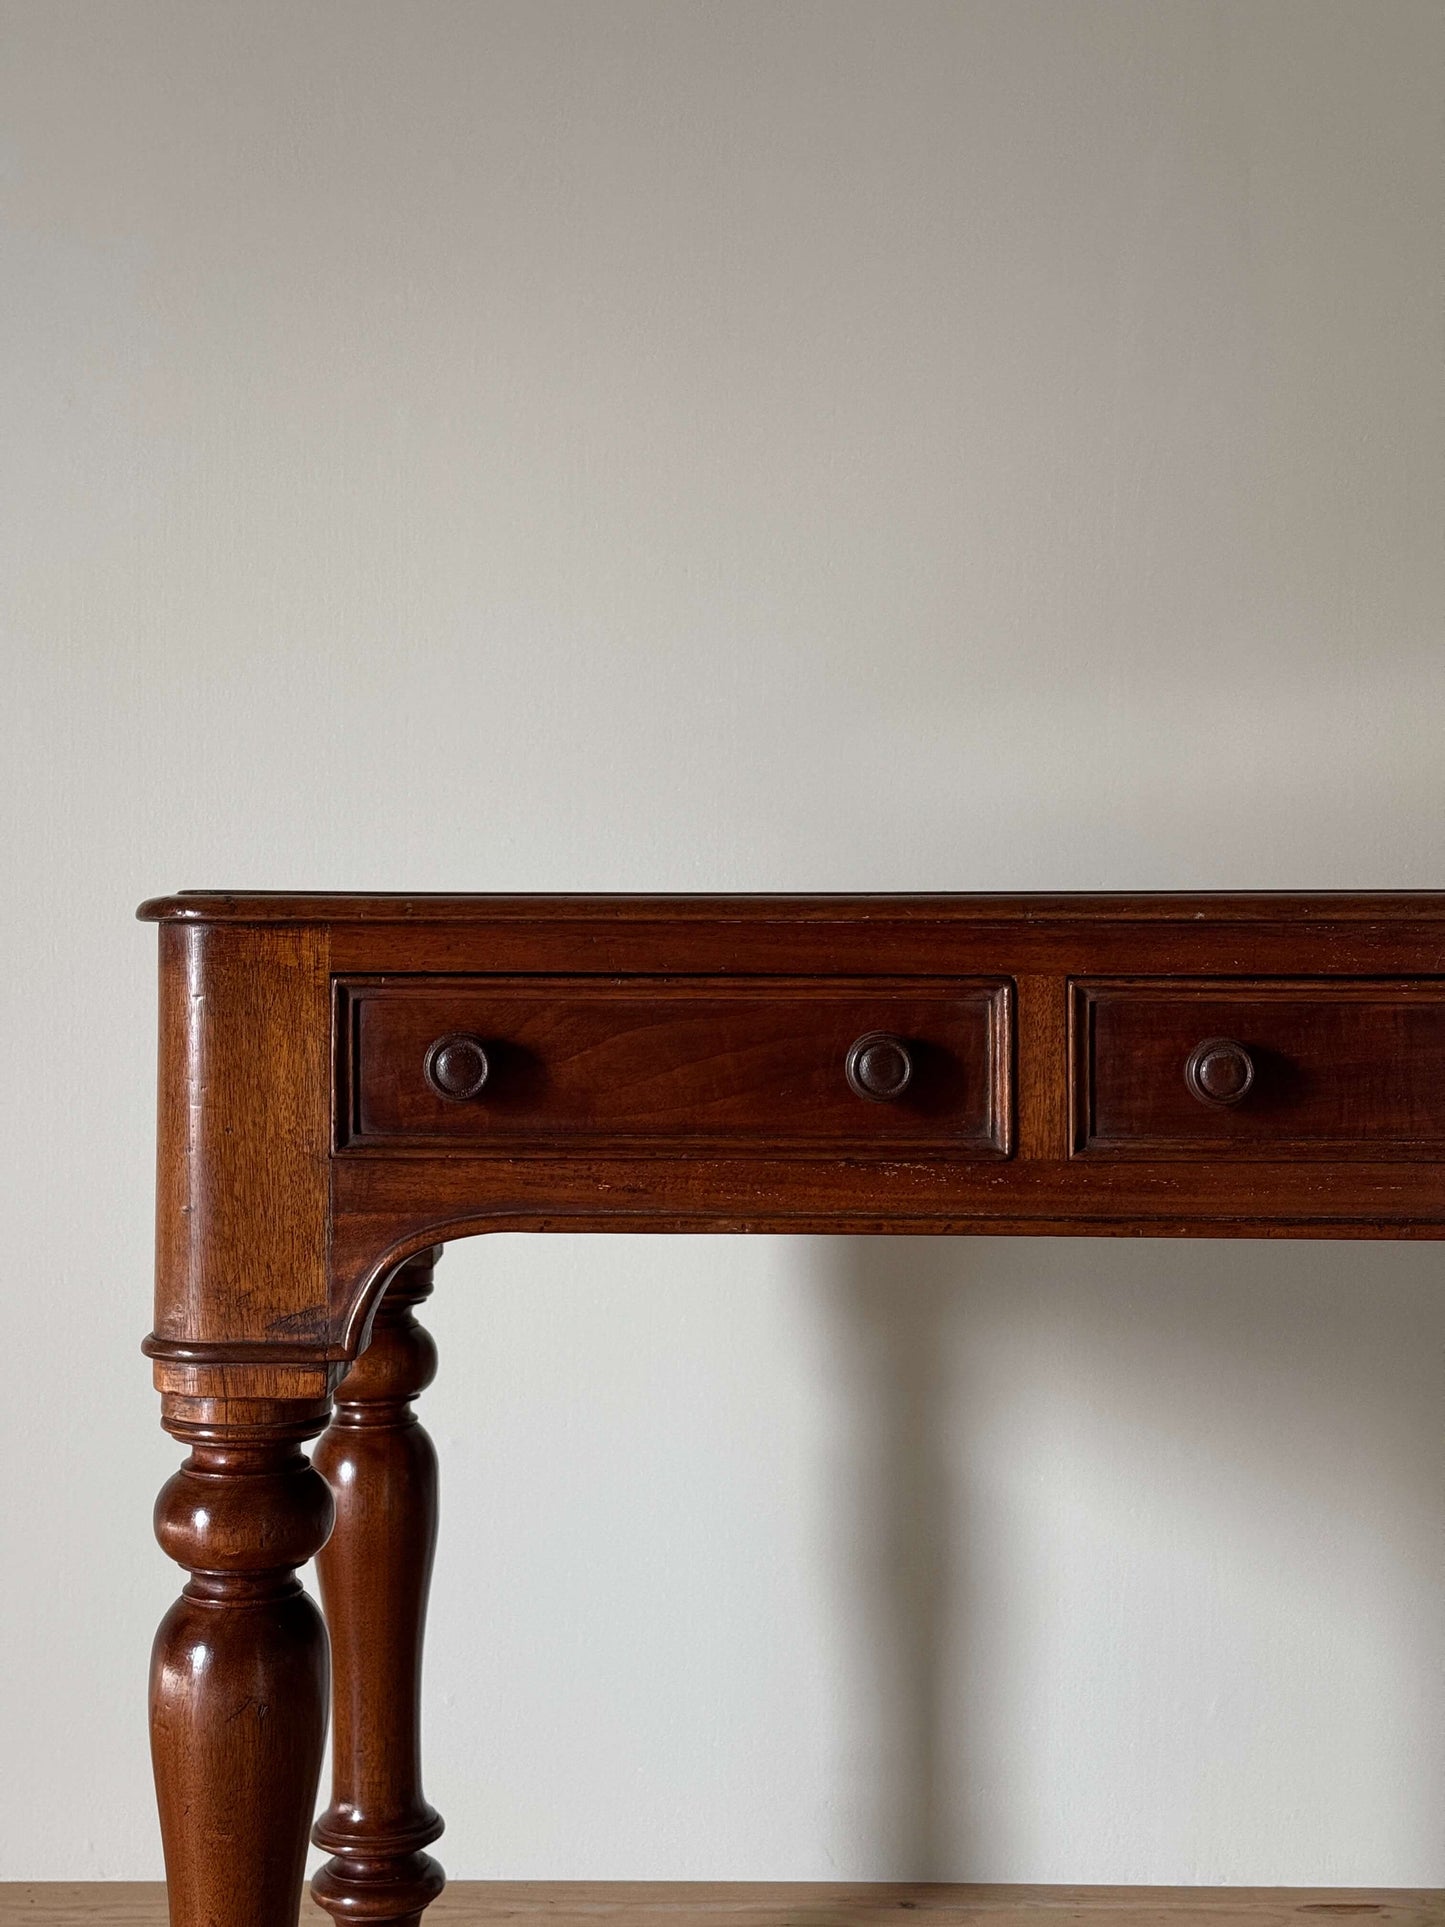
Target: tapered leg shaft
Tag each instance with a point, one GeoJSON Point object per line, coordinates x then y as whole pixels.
{"type": "Point", "coordinates": [375, 1574]}
{"type": "Point", "coordinates": [239, 1668]}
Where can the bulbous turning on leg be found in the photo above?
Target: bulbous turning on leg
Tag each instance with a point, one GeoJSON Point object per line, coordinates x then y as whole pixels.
{"type": "Point", "coordinates": [375, 1575]}
{"type": "Point", "coordinates": [239, 1665]}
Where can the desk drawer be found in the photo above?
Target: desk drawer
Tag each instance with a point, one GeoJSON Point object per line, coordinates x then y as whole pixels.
{"type": "Point", "coordinates": [587, 1063]}
{"type": "Point", "coordinates": [1330, 1069]}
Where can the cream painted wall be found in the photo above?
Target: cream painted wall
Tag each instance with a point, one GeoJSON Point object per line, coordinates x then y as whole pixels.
{"type": "Point", "coordinates": [649, 444]}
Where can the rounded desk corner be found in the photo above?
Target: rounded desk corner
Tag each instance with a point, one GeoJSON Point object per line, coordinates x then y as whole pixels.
{"type": "Point", "coordinates": [209, 906]}
{"type": "Point", "coordinates": [174, 909]}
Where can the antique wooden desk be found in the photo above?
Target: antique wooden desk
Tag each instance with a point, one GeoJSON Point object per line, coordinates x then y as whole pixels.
{"type": "Point", "coordinates": [348, 1081]}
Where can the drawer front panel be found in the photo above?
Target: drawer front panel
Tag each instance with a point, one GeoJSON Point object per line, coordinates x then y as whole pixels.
{"type": "Point", "coordinates": [1330, 1069]}
{"type": "Point", "coordinates": [595, 1064]}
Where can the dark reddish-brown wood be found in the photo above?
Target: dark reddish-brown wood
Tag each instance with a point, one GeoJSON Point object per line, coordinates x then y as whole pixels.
{"type": "Point", "coordinates": [1298, 907]}
{"type": "Point", "coordinates": [238, 1671]}
{"type": "Point", "coordinates": [348, 1081]}
{"type": "Point", "coordinates": [1252, 1069]}
{"type": "Point", "coordinates": [375, 1572]}
{"type": "Point", "coordinates": [583, 1064]}
{"type": "Point", "coordinates": [1219, 1070]}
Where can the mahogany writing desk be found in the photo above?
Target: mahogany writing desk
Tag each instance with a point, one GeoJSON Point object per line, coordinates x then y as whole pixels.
{"type": "Point", "coordinates": [348, 1081]}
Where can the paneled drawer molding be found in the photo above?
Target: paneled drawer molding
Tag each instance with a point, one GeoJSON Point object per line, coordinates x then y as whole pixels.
{"type": "Point", "coordinates": [524, 1063]}
{"type": "Point", "coordinates": [1222, 1068]}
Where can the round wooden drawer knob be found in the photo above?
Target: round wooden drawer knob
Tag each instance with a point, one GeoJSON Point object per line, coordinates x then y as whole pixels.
{"type": "Point", "coordinates": [456, 1067]}
{"type": "Point", "coordinates": [879, 1066]}
{"type": "Point", "coordinates": [1219, 1071]}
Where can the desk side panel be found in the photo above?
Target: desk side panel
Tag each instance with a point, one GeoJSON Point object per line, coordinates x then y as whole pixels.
{"type": "Point", "coordinates": [243, 1137]}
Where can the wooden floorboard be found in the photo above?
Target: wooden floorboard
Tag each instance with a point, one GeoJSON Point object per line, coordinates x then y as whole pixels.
{"type": "Point", "coordinates": [481, 1903]}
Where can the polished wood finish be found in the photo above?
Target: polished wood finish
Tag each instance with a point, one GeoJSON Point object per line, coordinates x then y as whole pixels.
{"type": "Point", "coordinates": [243, 1122]}
{"type": "Point", "coordinates": [456, 1067]}
{"type": "Point", "coordinates": [346, 1082]}
{"type": "Point", "coordinates": [239, 1667]}
{"type": "Point", "coordinates": [880, 1066]}
{"type": "Point", "coordinates": [1240, 1069]}
{"type": "Point", "coordinates": [576, 1064]}
{"type": "Point", "coordinates": [596, 1903]}
{"type": "Point", "coordinates": [375, 1572]}
{"type": "Point", "coordinates": [1219, 1071]}
{"type": "Point", "coordinates": [411, 908]}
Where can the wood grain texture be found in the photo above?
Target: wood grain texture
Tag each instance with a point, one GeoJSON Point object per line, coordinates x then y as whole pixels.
{"type": "Point", "coordinates": [882, 948]}
{"type": "Point", "coordinates": [667, 1064]}
{"type": "Point", "coordinates": [239, 1665]}
{"type": "Point", "coordinates": [664, 1904]}
{"type": "Point", "coordinates": [1338, 1068]}
{"type": "Point", "coordinates": [583, 1064]}
{"type": "Point", "coordinates": [387, 1207]}
{"type": "Point", "coordinates": [608, 1110]}
{"type": "Point", "coordinates": [1042, 1097]}
{"type": "Point", "coordinates": [375, 1574]}
{"type": "Point", "coordinates": [244, 1139]}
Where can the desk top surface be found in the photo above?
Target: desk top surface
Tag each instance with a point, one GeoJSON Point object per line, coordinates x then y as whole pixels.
{"type": "Point", "coordinates": [1253, 906]}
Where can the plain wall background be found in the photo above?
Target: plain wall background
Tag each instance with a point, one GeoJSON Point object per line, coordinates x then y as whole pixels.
{"type": "Point", "coordinates": [648, 444]}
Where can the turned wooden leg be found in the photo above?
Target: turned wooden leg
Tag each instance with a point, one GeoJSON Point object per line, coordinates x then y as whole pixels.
{"type": "Point", "coordinates": [375, 1573]}
{"type": "Point", "coordinates": [238, 1671]}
